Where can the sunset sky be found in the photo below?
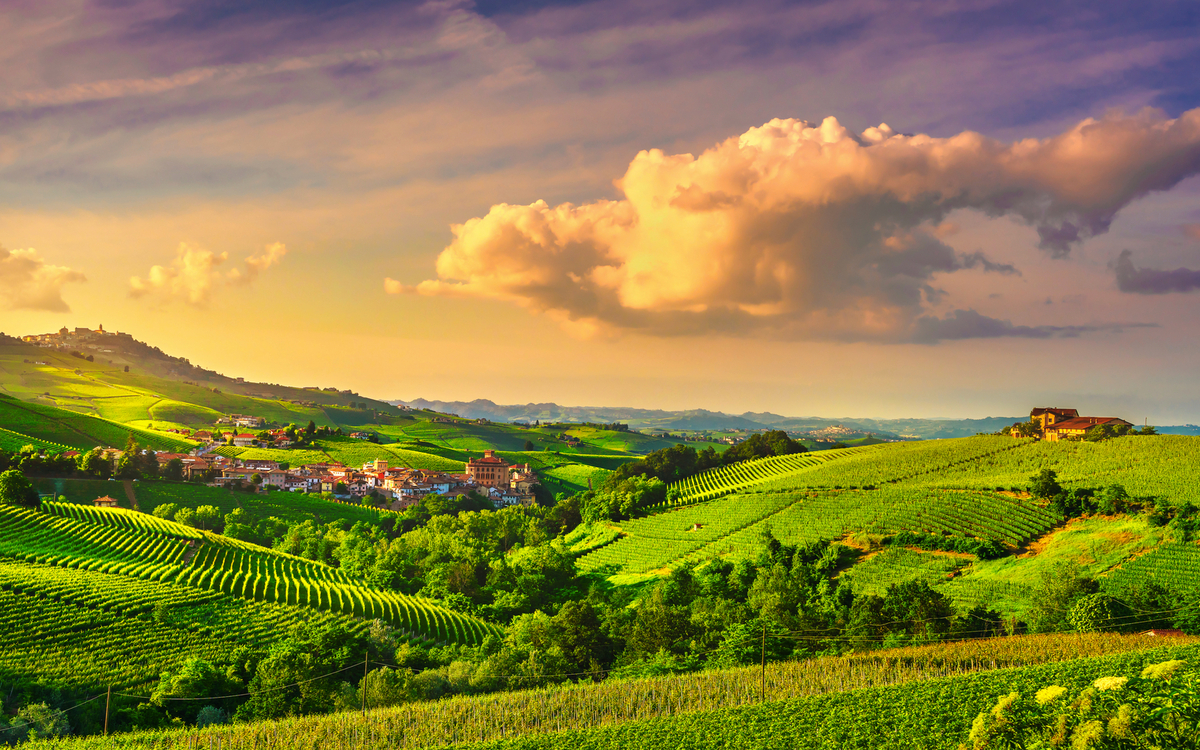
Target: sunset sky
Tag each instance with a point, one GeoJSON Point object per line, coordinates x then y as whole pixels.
{"type": "Point", "coordinates": [872, 209]}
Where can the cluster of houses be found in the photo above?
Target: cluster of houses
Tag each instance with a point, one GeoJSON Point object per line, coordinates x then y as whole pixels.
{"type": "Point", "coordinates": [1052, 423]}
{"type": "Point", "coordinates": [399, 487]}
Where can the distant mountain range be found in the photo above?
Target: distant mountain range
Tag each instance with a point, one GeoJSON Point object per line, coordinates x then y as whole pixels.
{"type": "Point", "coordinates": [703, 419]}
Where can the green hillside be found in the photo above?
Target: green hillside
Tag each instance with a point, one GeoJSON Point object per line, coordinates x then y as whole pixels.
{"type": "Point", "coordinates": [966, 488]}
{"type": "Point", "coordinates": [144, 547]}
{"type": "Point", "coordinates": [61, 428]}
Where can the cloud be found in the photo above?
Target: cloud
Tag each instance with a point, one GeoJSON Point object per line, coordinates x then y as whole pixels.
{"type": "Point", "coordinates": [1192, 230]}
{"type": "Point", "coordinates": [807, 231]}
{"type": "Point", "coordinates": [28, 282]}
{"type": "Point", "coordinates": [195, 274]}
{"type": "Point", "coordinates": [969, 324]}
{"type": "Point", "coordinates": [1152, 281]}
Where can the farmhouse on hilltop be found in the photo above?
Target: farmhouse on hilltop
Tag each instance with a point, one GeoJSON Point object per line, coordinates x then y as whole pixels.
{"type": "Point", "coordinates": [1053, 423]}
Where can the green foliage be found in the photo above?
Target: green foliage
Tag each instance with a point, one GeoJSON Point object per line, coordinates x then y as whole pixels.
{"type": "Point", "coordinates": [1095, 612]}
{"type": "Point", "coordinates": [1158, 708]}
{"type": "Point", "coordinates": [618, 500]}
{"type": "Point", "coordinates": [15, 489]}
{"type": "Point", "coordinates": [1045, 484]}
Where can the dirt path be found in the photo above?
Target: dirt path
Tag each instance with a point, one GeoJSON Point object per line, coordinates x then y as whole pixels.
{"type": "Point", "coordinates": [133, 503]}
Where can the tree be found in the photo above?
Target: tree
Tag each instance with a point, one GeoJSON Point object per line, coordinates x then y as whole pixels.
{"type": "Point", "coordinates": [15, 489]}
{"type": "Point", "coordinates": [207, 517]}
{"type": "Point", "coordinates": [256, 479]}
{"type": "Point", "coordinates": [529, 446]}
{"type": "Point", "coordinates": [1148, 430]}
{"type": "Point", "coordinates": [126, 368]}
{"type": "Point", "coordinates": [38, 721]}
{"type": "Point", "coordinates": [166, 510]}
{"type": "Point", "coordinates": [173, 470]}
{"type": "Point", "coordinates": [1045, 484]}
{"type": "Point", "coordinates": [178, 689]}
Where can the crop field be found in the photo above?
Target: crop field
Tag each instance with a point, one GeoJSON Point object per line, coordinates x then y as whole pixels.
{"type": "Point", "coordinates": [715, 483]}
{"type": "Point", "coordinates": [219, 564]}
{"type": "Point", "coordinates": [664, 539]}
{"type": "Point", "coordinates": [1147, 466]}
{"type": "Point", "coordinates": [1094, 544]}
{"type": "Point", "coordinates": [78, 430]}
{"type": "Point", "coordinates": [876, 465]}
{"type": "Point", "coordinates": [1176, 566]}
{"type": "Point", "coordinates": [735, 525]}
{"type": "Point", "coordinates": [572, 478]}
{"type": "Point", "coordinates": [15, 441]}
{"type": "Point", "coordinates": [82, 628]}
{"type": "Point", "coordinates": [350, 452]}
{"type": "Point", "coordinates": [882, 697]}
{"type": "Point", "coordinates": [896, 565]}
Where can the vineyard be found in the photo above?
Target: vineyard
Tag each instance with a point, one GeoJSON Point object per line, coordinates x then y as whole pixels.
{"type": "Point", "coordinates": [911, 463]}
{"type": "Point", "coordinates": [1175, 566]}
{"type": "Point", "coordinates": [736, 525]}
{"type": "Point", "coordinates": [883, 697]}
{"type": "Point", "coordinates": [714, 483]}
{"type": "Point", "coordinates": [896, 565]}
{"type": "Point", "coordinates": [116, 544]}
{"type": "Point", "coordinates": [79, 431]}
{"type": "Point", "coordinates": [73, 627]}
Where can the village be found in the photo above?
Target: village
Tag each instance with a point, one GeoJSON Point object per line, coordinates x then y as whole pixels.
{"type": "Point", "coordinates": [374, 483]}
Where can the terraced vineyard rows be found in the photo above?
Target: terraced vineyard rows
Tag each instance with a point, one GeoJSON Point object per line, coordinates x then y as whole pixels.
{"type": "Point", "coordinates": [1176, 566]}
{"type": "Point", "coordinates": [1147, 466]}
{"type": "Point", "coordinates": [225, 565]}
{"type": "Point", "coordinates": [832, 515]}
{"type": "Point", "coordinates": [122, 518]}
{"type": "Point", "coordinates": [668, 538]}
{"type": "Point", "coordinates": [900, 462]}
{"type": "Point", "coordinates": [82, 628]}
{"type": "Point", "coordinates": [79, 431]}
{"type": "Point", "coordinates": [714, 483]}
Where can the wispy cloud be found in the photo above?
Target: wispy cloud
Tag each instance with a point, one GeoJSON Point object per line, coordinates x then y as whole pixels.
{"type": "Point", "coordinates": [1136, 280]}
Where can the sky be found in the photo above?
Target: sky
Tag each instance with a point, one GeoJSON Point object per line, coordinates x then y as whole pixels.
{"type": "Point", "coordinates": [851, 208]}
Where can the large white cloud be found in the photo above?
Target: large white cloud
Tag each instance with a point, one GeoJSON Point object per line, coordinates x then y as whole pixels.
{"type": "Point", "coordinates": [28, 282]}
{"type": "Point", "coordinates": [196, 274]}
{"type": "Point", "coordinates": [809, 231]}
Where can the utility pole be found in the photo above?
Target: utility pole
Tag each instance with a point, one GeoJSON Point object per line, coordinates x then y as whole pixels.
{"type": "Point", "coordinates": [363, 687]}
{"type": "Point", "coordinates": [107, 703]}
{"type": "Point", "coordinates": [764, 663]}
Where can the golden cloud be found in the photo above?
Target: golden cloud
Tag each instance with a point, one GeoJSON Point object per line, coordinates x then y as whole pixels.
{"type": "Point", "coordinates": [28, 282]}
{"type": "Point", "coordinates": [195, 274]}
{"type": "Point", "coordinates": [809, 231]}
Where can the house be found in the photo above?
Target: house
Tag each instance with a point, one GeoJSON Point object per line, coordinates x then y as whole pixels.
{"type": "Point", "coordinates": [1048, 416]}
{"type": "Point", "coordinates": [489, 471]}
{"type": "Point", "coordinates": [360, 435]}
{"type": "Point", "coordinates": [105, 502]}
{"type": "Point", "coordinates": [243, 440]}
{"type": "Point", "coordinates": [1078, 426]}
